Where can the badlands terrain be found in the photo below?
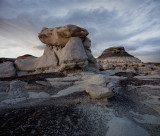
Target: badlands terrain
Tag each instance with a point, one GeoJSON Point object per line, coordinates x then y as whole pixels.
{"type": "Point", "coordinates": [68, 92]}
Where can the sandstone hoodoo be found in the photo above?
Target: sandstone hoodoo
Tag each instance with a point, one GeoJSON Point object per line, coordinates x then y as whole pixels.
{"type": "Point", "coordinates": [59, 36]}
{"type": "Point", "coordinates": [117, 57]}
{"type": "Point", "coordinates": [67, 48]}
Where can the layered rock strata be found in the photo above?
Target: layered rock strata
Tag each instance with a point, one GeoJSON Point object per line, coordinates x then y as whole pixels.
{"type": "Point", "coordinates": [118, 58]}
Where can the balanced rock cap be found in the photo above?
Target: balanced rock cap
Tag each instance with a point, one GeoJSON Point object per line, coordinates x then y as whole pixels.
{"type": "Point", "coordinates": [59, 36]}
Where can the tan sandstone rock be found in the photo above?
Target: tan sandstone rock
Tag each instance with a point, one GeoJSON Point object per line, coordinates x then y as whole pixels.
{"type": "Point", "coordinates": [98, 92]}
{"type": "Point", "coordinates": [59, 36]}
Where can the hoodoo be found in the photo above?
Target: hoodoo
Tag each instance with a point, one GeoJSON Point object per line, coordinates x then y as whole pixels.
{"type": "Point", "coordinates": [67, 48]}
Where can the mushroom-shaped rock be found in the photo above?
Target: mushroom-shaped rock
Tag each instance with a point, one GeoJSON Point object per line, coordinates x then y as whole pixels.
{"type": "Point", "coordinates": [59, 36]}
{"type": "Point", "coordinates": [67, 50]}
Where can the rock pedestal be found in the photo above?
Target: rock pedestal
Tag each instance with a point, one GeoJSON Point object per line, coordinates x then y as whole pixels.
{"type": "Point", "coordinates": [67, 48]}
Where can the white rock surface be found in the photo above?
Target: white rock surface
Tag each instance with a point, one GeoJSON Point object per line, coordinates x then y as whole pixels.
{"type": "Point", "coordinates": [7, 69]}
{"type": "Point", "coordinates": [124, 127]}
{"type": "Point", "coordinates": [99, 92]}
{"type": "Point", "coordinates": [86, 78]}
{"type": "Point", "coordinates": [69, 90]}
{"type": "Point", "coordinates": [73, 54]}
{"type": "Point", "coordinates": [92, 78]}
{"type": "Point", "coordinates": [48, 59]}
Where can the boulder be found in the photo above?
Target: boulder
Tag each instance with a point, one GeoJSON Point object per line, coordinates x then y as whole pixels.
{"type": "Point", "coordinates": [7, 69]}
{"type": "Point", "coordinates": [73, 54]}
{"type": "Point", "coordinates": [59, 36]}
{"type": "Point", "coordinates": [47, 60]}
{"type": "Point", "coordinates": [26, 64]}
{"type": "Point", "coordinates": [98, 92]}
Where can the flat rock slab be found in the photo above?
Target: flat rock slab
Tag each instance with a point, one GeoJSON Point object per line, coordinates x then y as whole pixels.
{"type": "Point", "coordinates": [64, 79]}
{"type": "Point", "coordinates": [60, 84]}
{"type": "Point", "coordinates": [124, 127]}
{"type": "Point", "coordinates": [69, 90]}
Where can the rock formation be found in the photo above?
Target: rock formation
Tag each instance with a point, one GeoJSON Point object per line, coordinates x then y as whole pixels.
{"type": "Point", "coordinates": [117, 57]}
{"type": "Point", "coordinates": [67, 48]}
{"type": "Point", "coordinates": [59, 36]}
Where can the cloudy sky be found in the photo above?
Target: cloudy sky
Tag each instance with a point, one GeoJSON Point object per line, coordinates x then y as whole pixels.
{"type": "Point", "coordinates": [134, 24]}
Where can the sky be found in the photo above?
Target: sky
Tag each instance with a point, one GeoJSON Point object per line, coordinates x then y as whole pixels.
{"type": "Point", "coordinates": [134, 24]}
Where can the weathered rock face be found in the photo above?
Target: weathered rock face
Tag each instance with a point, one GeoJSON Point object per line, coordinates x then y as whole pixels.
{"type": "Point", "coordinates": [59, 36]}
{"type": "Point", "coordinates": [117, 58]}
{"type": "Point", "coordinates": [67, 48]}
{"type": "Point", "coordinates": [73, 54]}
